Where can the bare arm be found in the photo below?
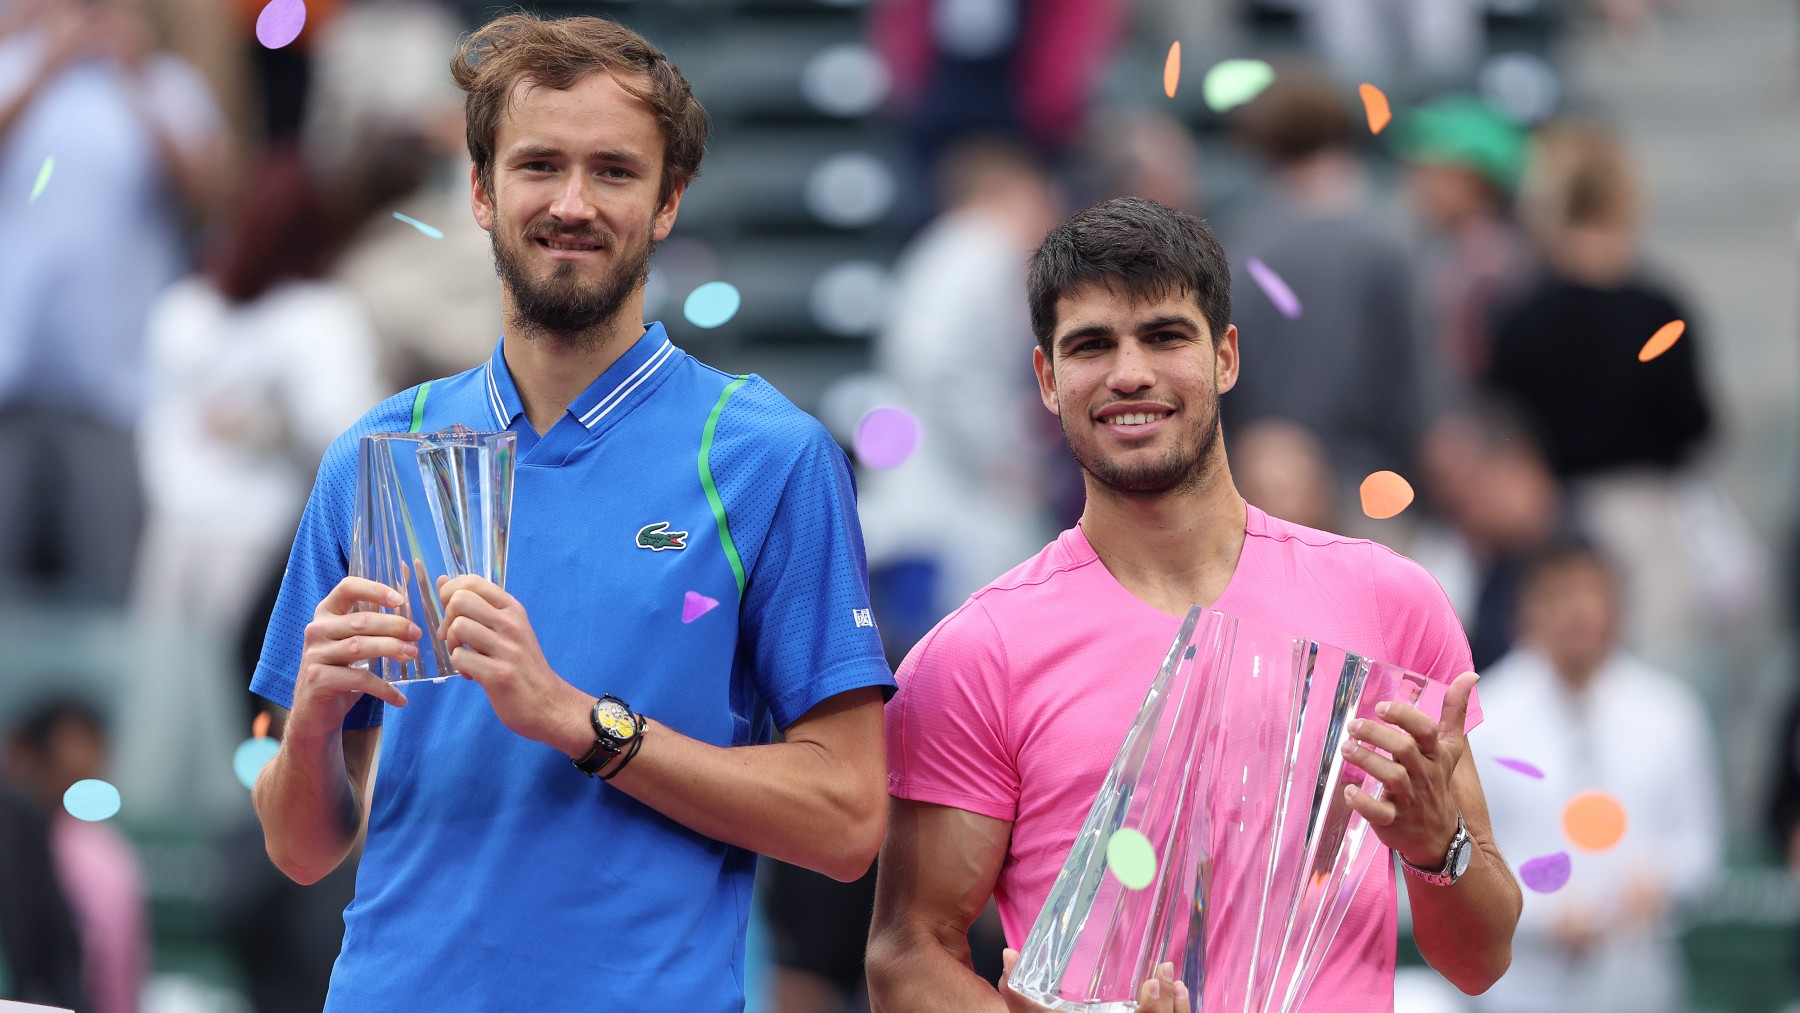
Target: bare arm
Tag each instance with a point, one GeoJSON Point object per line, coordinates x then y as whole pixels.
{"type": "Point", "coordinates": [937, 871]}
{"type": "Point", "coordinates": [1465, 930]}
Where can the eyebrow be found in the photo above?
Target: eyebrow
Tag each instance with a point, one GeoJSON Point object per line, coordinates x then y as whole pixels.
{"type": "Point", "coordinates": [1149, 326]}
{"type": "Point", "coordinates": [535, 151]}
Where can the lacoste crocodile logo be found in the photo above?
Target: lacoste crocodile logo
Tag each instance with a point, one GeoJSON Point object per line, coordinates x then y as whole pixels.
{"type": "Point", "coordinates": [657, 537]}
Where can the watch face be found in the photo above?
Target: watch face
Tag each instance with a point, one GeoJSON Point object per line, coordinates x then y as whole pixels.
{"type": "Point", "coordinates": [1459, 863]}
{"type": "Point", "coordinates": [616, 721]}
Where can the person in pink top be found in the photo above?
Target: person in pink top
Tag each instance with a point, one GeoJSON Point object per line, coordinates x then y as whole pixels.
{"type": "Point", "coordinates": [1011, 710]}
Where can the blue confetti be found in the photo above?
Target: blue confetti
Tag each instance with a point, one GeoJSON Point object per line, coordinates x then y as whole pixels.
{"type": "Point", "coordinates": [712, 304]}
{"type": "Point", "coordinates": [92, 800]}
{"type": "Point", "coordinates": [251, 757]}
{"type": "Point", "coordinates": [432, 231]}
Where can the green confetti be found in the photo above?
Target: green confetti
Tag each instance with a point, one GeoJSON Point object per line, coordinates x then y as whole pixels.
{"type": "Point", "coordinates": [1131, 858]}
{"type": "Point", "coordinates": [43, 179]}
{"type": "Point", "coordinates": [1231, 83]}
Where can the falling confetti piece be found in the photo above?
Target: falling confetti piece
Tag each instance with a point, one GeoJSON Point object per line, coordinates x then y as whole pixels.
{"type": "Point", "coordinates": [1594, 821]}
{"type": "Point", "coordinates": [251, 757]}
{"type": "Point", "coordinates": [1131, 858]}
{"type": "Point", "coordinates": [1272, 285]}
{"type": "Point", "coordinates": [429, 230]}
{"type": "Point", "coordinates": [1385, 494]}
{"type": "Point", "coordinates": [885, 437]}
{"type": "Point", "coordinates": [1664, 339]}
{"type": "Point", "coordinates": [1231, 83]}
{"type": "Point", "coordinates": [1521, 766]}
{"type": "Point", "coordinates": [696, 605]}
{"type": "Point", "coordinates": [259, 729]}
{"type": "Point", "coordinates": [712, 304]}
{"type": "Point", "coordinates": [280, 22]}
{"type": "Point", "coordinates": [1546, 874]}
{"type": "Point", "coordinates": [1172, 69]}
{"type": "Point", "coordinates": [91, 800]}
{"type": "Point", "coordinates": [43, 179]}
{"type": "Point", "coordinates": [1376, 104]}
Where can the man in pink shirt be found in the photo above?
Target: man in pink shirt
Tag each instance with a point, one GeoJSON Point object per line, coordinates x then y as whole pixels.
{"type": "Point", "coordinates": [1011, 710]}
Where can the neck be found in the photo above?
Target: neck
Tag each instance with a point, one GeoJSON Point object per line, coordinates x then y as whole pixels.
{"type": "Point", "coordinates": [551, 369]}
{"type": "Point", "coordinates": [1171, 550]}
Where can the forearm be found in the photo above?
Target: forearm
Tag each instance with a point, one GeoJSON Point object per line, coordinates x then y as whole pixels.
{"type": "Point", "coordinates": [309, 813]}
{"type": "Point", "coordinates": [1465, 930]}
{"type": "Point", "coordinates": [788, 800]}
{"type": "Point", "coordinates": [919, 972]}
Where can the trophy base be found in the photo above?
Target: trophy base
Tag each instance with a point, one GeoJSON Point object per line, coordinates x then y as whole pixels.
{"type": "Point", "coordinates": [1061, 1005]}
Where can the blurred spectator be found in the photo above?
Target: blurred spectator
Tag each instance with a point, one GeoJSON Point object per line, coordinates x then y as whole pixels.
{"type": "Point", "coordinates": [1569, 701]}
{"type": "Point", "coordinates": [62, 740]}
{"type": "Point", "coordinates": [1625, 433]}
{"type": "Point", "coordinates": [1463, 162]}
{"type": "Point", "coordinates": [1396, 41]}
{"type": "Point", "coordinates": [970, 503]}
{"type": "Point", "coordinates": [1488, 482]}
{"type": "Point", "coordinates": [138, 149]}
{"type": "Point", "coordinates": [283, 76]}
{"type": "Point", "coordinates": [1137, 152]}
{"type": "Point", "coordinates": [256, 365]}
{"type": "Point", "coordinates": [1351, 368]}
{"type": "Point", "coordinates": [40, 950]}
{"type": "Point", "coordinates": [1281, 468]}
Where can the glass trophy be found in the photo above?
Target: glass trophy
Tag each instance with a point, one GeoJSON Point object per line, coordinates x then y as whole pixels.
{"type": "Point", "coordinates": [430, 505]}
{"type": "Point", "coordinates": [1233, 773]}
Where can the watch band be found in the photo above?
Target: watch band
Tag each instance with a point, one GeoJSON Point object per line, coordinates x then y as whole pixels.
{"type": "Point", "coordinates": [1449, 874]}
{"type": "Point", "coordinates": [608, 743]}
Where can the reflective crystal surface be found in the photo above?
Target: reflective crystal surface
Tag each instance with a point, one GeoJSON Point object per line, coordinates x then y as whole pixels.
{"type": "Point", "coordinates": [1233, 771]}
{"type": "Point", "coordinates": [430, 505]}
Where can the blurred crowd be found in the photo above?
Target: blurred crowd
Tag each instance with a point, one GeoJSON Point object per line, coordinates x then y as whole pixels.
{"type": "Point", "coordinates": [210, 286]}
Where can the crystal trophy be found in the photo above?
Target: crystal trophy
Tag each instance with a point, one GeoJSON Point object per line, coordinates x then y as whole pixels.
{"type": "Point", "coordinates": [430, 505]}
{"type": "Point", "coordinates": [1233, 774]}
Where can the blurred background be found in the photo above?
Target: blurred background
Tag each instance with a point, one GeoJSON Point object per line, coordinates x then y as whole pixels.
{"type": "Point", "coordinates": [202, 282]}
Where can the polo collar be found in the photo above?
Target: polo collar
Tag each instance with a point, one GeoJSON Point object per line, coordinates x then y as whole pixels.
{"type": "Point", "coordinates": [626, 382]}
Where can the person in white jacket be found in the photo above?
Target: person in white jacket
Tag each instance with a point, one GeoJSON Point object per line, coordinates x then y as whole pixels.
{"type": "Point", "coordinates": [1569, 701]}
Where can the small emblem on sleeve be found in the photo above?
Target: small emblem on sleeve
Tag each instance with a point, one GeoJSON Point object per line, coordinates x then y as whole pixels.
{"type": "Point", "coordinates": [657, 537]}
{"type": "Point", "coordinates": [862, 617]}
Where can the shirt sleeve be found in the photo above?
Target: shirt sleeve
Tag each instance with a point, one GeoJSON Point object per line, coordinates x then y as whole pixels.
{"type": "Point", "coordinates": [1419, 627]}
{"type": "Point", "coordinates": [805, 619]}
{"type": "Point", "coordinates": [946, 727]}
{"type": "Point", "coordinates": [319, 559]}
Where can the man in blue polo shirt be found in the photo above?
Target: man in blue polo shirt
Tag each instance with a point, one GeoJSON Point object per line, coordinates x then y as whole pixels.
{"type": "Point", "coordinates": [496, 876]}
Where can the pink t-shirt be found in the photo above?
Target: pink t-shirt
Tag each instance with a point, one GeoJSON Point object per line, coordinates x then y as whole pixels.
{"type": "Point", "coordinates": [983, 719]}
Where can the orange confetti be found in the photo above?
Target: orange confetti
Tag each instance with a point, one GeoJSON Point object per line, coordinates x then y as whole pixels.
{"type": "Point", "coordinates": [1385, 494]}
{"type": "Point", "coordinates": [1664, 338]}
{"type": "Point", "coordinates": [259, 728]}
{"type": "Point", "coordinates": [1594, 821]}
{"type": "Point", "coordinates": [1376, 104]}
{"type": "Point", "coordinates": [1172, 69]}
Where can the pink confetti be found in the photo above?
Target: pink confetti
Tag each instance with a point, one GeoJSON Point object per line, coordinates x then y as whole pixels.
{"type": "Point", "coordinates": [886, 437]}
{"type": "Point", "coordinates": [1286, 302]}
{"type": "Point", "coordinates": [696, 605]}
{"type": "Point", "coordinates": [1546, 874]}
{"type": "Point", "coordinates": [1521, 766]}
{"type": "Point", "coordinates": [280, 22]}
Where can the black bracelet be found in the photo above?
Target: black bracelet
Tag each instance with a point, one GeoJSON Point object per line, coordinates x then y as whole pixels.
{"type": "Point", "coordinates": [637, 743]}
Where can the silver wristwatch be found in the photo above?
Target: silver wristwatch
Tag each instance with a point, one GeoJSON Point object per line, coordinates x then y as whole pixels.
{"type": "Point", "coordinates": [1462, 848]}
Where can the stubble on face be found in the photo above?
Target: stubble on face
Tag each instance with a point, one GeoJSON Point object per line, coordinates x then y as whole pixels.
{"type": "Point", "coordinates": [564, 307]}
{"type": "Point", "coordinates": [1183, 467]}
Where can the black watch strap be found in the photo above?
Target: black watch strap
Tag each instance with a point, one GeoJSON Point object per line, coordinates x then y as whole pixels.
{"type": "Point", "coordinates": [608, 743]}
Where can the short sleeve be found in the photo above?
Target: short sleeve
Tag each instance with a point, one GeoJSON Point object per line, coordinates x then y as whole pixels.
{"type": "Point", "coordinates": [805, 618]}
{"type": "Point", "coordinates": [1419, 626]}
{"type": "Point", "coordinates": [946, 727]}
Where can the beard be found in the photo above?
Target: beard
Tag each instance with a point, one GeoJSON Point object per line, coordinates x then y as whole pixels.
{"type": "Point", "coordinates": [563, 306]}
{"type": "Point", "coordinates": [1183, 467]}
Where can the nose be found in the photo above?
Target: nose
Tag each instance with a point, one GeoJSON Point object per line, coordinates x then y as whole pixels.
{"type": "Point", "coordinates": [574, 202]}
{"type": "Point", "coordinates": [1130, 370]}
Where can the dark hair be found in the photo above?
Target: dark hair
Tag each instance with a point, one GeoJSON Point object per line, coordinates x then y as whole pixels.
{"type": "Point", "coordinates": [1562, 552]}
{"type": "Point", "coordinates": [1135, 247]}
{"type": "Point", "coordinates": [51, 714]}
{"type": "Point", "coordinates": [1297, 117]}
{"type": "Point", "coordinates": [560, 52]}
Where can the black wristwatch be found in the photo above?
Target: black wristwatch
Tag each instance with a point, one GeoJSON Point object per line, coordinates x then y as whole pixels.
{"type": "Point", "coordinates": [616, 729]}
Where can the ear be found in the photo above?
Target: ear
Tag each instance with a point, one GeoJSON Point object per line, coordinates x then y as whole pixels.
{"type": "Point", "coordinates": [480, 201]}
{"type": "Point", "coordinates": [1225, 358]}
{"type": "Point", "coordinates": [665, 215]}
{"type": "Point", "coordinates": [1046, 378]}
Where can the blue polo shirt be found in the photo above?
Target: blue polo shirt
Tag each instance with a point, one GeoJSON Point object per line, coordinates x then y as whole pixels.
{"type": "Point", "coordinates": [496, 876]}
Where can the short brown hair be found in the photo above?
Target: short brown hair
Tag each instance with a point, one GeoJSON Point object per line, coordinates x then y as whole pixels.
{"type": "Point", "coordinates": [560, 52]}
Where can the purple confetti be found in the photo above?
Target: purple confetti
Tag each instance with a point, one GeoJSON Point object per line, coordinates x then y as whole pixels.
{"type": "Point", "coordinates": [280, 22]}
{"type": "Point", "coordinates": [1521, 766]}
{"type": "Point", "coordinates": [696, 605]}
{"type": "Point", "coordinates": [886, 437]}
{"type": "Point", "coordinates": [1546, 874]}
{"type": "Point", "coordinates": [1286, 302]}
